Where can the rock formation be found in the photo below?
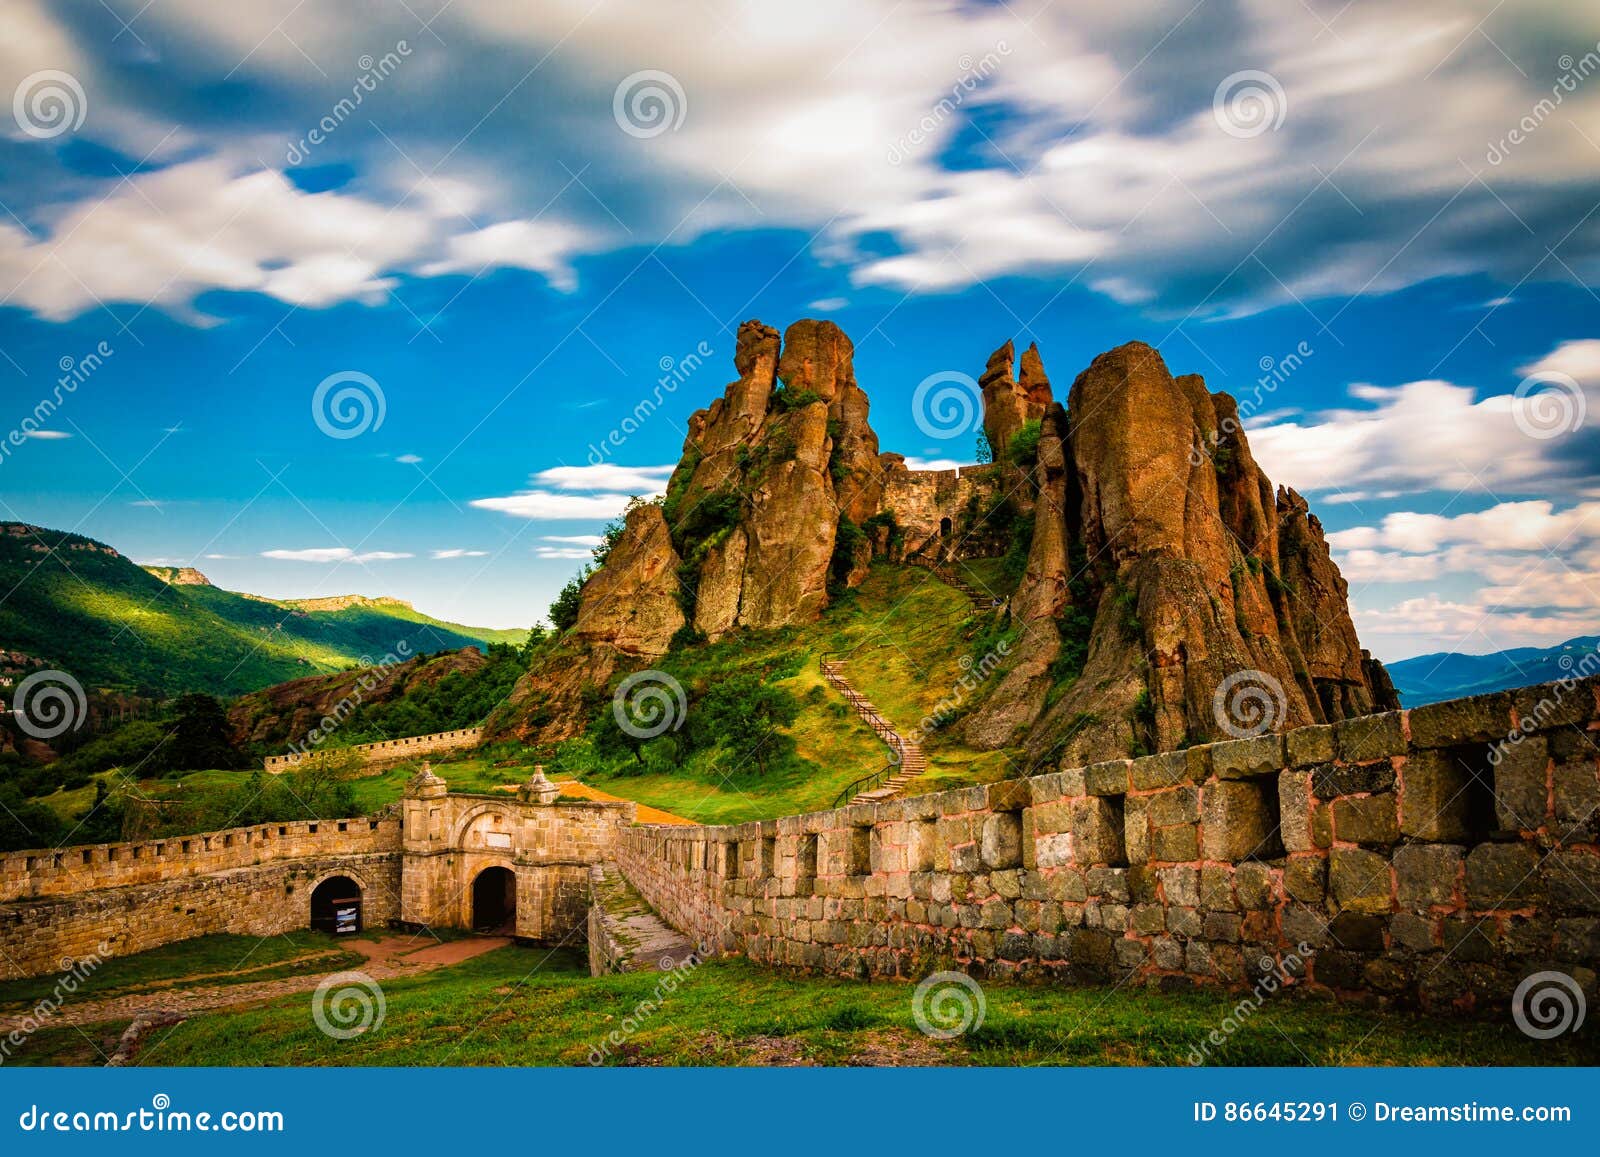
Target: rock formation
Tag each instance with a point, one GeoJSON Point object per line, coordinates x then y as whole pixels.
{"type": "Point", "coordinates": [1161, 563]}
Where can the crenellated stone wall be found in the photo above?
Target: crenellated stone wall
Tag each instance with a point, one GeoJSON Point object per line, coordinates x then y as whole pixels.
{"type": "Point", "coordinates": [935, 509]}
{"type": "Point", "coordinates": [390, 751]}
{"type": "Point", "coordinates": [1436, 856]}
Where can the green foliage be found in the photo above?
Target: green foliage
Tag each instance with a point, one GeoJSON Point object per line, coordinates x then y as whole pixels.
{"type": "Point", "coordinates": [114, 625]}
{"type": "Point", "coordinates": [1280, 586]}
{"type": "Point", "coordinates": [1015, 563]}
{"type": "Point", "coordinates": [1076, 623]}
{"type": "Point", "coordinates": [1023, 449]}
{"type": "Point", "coordinates": [886, 518]}
{"type": "Point", "coordinates": [200, 738]}
{"type": "Point", "coordinates": [983, 451]}
{"type": "Point", "coordinates": [458, 699]}
{"type": "Point", "coordinates": [787, 400]}
{"type": "Point", "coordinates": [26, 824]}
{"type": "Point", "coordinates": [564, 611]}
{"type": "Point", "coordinates": [1253, 562]}
{"type": "Point", "coordinates": [685, 637]}
{"type": "Point", "coordinates": [846, 538]}
{"type": "Point", "coordinates": [1142, 715]}
{"type": "Point", "coordinates": [742, 714]}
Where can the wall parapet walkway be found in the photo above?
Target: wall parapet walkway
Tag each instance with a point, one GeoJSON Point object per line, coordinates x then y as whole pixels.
{"type": "Point", "coordinates": [1434, 856]}
{"type": "Point", "coordinates": [391, 750]}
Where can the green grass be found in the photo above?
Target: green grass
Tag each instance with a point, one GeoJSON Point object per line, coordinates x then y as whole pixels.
{"type": "Point", "coordinates": [523, 1006]}
{"type": "Point", "coordinates": [222, 959]}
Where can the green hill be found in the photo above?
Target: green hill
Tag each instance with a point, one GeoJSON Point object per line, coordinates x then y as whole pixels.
{"type": "Point", "coordinates": [79, 606]}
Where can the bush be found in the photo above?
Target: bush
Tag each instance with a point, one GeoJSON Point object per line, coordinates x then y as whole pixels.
{"type": "Point", "coordinates": [1024, 447]}
{"type": "Point", "coordinates": [564, 611]}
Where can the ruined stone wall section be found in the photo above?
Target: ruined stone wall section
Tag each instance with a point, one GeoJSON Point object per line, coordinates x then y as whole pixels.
{"type": "Point", "coordinates": [922, 501]}
{"type": "Point", "coordinates": [263, 900]}
{"type": "Point", "coordinates": [1436, 856]}
{"type": "Point", "coordinates": [393, 750]}
{"type": "Point", "coordinates": [73, 871]}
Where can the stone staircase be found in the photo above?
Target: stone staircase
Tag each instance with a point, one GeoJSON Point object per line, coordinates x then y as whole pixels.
{"type": "Point", "coordinates": [906, 757]}
{"type": "Point", "coordinates": [981, 600]}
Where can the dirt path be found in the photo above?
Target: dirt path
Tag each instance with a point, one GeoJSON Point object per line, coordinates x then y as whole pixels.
{"type": "Point", "coordinates": [386, 959]}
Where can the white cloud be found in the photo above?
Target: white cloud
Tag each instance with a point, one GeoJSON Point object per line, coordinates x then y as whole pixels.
{"type": "Point", "coordinates": [168, 235]}
{"type": "Point", "coordinates": [1435, 436]}
{"type": "Point", "coordinates": [1531, 525]}
{"type": "Point", "coordinates": [334, 554]}
{"type": "Point", "coordinates": [915, 463]}
{"type": "Point", "coordinates": [575, 539]}
{"type": "Point", "coordinates": [1431, 616]}
{"type": "Point", "coordinates": [543, 504]}
{"type": "Point", "coordinates": [543, 246]}
{"type": "Point", "coordinates": [409, 459]}
{"type": "Point", "coordinates": [644, 480]}
{"type": "Point", "coordinates": [1107, 150]}
{"type": "Point", "coordinates": [221, 556]}
{"type": "Point", "coordinates": [459, 553]}
{"type": "Point", "coordinates": [561, 552]}
{"type": "Point", "coordinates": [47, 435]}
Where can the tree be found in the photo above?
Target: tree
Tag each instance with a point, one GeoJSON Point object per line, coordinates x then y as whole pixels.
{"type": "Point", "coordinates": [200, 740]}
{"type": "Point", "coordinates": [564, 611]}
{"type": "Point", "coordinates": [985, 452]}
{"type": "Point", "coordinates": [742, 714]}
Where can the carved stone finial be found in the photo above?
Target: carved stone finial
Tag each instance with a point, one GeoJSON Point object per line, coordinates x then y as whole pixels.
{"type": "Point", "coordinates": [538, 789]}
{"type": "Point", "coordinates": [426, 785]}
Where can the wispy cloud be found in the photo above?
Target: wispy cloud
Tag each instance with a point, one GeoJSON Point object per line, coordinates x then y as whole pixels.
{"type": "Point", "coordinates": [334, 554]}
{"type": "Point", "coordinates": [458, 553]}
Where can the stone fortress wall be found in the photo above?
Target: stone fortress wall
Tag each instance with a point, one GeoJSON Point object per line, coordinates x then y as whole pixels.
{"type": "Point", "coordinates": [392, 750]}
{"type": "Point", "coordinates": [1436, 856]}
{"type": "Point", "coordinates": [1421, 856]}
{"type": "Point", "coordinates": [63, 904]}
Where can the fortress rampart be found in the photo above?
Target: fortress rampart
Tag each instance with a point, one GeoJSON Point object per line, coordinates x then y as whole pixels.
{"type": "Point", "coordinates": [1435, 856]}
{"type": "Point", "coordinates": [392, 750]}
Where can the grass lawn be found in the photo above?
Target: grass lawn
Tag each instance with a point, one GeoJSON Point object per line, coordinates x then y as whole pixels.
{"type": "Point", "coordinates": [222, 959]}
{"type": "Point", "coordinates": [524, 1006]}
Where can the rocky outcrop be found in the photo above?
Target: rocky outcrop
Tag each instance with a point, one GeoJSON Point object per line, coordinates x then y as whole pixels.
{"type": "Point", "coordinates": [179, 576]}
{"type": "Point", "coordinates": [287, 712]}
{"type": "Point", "coordinates": [1206, 591]}
{"type": "Point", "coordinates": [631, 603]}
{"type": "Point", "coordinates": [1161, 564]}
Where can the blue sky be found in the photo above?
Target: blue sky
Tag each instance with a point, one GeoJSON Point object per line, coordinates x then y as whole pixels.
{"type": "Point", "coordinates": [531, 209]}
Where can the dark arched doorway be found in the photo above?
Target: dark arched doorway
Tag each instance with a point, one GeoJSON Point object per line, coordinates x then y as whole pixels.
{"type": "Point", "coordinates": [336, 906]}
{"type": "Point", "coordinates": [494, 901]}
{"type": "Point", "coordinates": [944, 528]}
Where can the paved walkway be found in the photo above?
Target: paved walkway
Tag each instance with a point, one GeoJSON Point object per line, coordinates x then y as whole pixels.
{"type": "Point", "coordinates": [387, 958]}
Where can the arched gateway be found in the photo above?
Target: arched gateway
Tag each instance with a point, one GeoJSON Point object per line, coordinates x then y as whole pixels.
{"type": "Point", "coordinates": [516, 865]}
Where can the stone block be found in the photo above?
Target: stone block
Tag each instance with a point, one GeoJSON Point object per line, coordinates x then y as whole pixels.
{"type": "Point", "coordinates": [1002, 840]}
{"type": "Point", "coordinates": [1553, 705]}
{"type": "Point", "coordinates": [1136, 829]}
{"type": "Point", "coordinates": [1158, 771]}
{"type": "Point", "coordinates": [1331, 780]}
{"type": "Point", "coordinates": [1247, 758]}
{"type": "Point", "coordinates": [1414, 932]}
{"type": "Point", "coordinates": [1478, 719]}
{"type": "Point", "coordinates": [1577, 792]}
{"type": "Point", "coordinates": [1306, 746]}
{"type": "Point", "coordinates": [1572, 880]}
{"type": "Point", "coordinates": [1359, 880]}
{"type": "Point", "coordinates": [1368, 738]}
{"type": "Point", "coordinates": [1521, 783]}
{"type": "Point", "coordinates": [1109, 778]}
{"type": "Point", "coordinates": [1367, 819]}
{"type": "Point", "coordinates": [1502, 876]}
{"type": "Point", "coordinates": [1177, 844]}
{"type": "Point", "coordinates": [1426, 874]}
{"type": "Point", "coordinates": [1097, 835]}
{"type": "Point", "coordinates": [1305, 879]}
{"type": "Point", "coordinates": [1294, 810]}
{"type": "Point", "coordinates": [1238, 821]}
{"type": "Point", "coordinates": [1178, 806]}
{"type": "Point", "coordinates": [1253, 885]}
{"type": "Point", "coordinates": [1434, 797]}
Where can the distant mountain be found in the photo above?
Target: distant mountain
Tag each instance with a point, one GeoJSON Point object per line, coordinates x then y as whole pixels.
{"type": "Point", "coordinates": [77, 605]}
{"type": "Point", "coordinates": [1449, 675]}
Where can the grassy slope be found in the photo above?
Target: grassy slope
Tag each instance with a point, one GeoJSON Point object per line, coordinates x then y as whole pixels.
{"type": "Point", "coordinates": [904, 633]}
{"type": "Point", "coordinates": [112, 624]}
{"type": "Point", "coordinates": [520, 1006]}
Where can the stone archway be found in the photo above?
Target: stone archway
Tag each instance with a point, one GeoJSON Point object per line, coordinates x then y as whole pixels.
{"type": "Point", "coordinates": [336, 906]}
{"type": "Point", "coordinates": [494, 901]}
